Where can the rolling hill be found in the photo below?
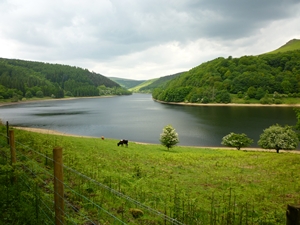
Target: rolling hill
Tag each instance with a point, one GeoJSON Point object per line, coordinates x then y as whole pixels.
{"type": "Point", "coordinates": [126, 83]}
{"type": "Point", "coordinates": [266, 78]}
{"type": "Point", "coordinates": [149, 85]}
{"type": "Point", "coordinates": [292, 45]}
{"type": "Point", "coordinates": [26, 79]}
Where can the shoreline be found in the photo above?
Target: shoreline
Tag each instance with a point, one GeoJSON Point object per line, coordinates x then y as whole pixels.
{"type": "Point", "coordinates": [226, 104]}
{"type": "Point", "coordinates": [54, 132]}
{"type": "Point", "coordinates": [51, 99]}
{"type": "Point", "coordinates": [155, 100]}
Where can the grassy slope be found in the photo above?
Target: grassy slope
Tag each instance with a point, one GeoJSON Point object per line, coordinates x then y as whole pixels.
{"type": "Point", "coordinates": [126, 83]}
{"type": "Point", "coordinates": [153, 175]}
{"type": "Point", "coordinates": [145, 83]}
{"type": "Point", "coordinates": [289, 46]}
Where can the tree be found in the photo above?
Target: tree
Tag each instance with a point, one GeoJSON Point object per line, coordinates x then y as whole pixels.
{"type": "Point", "coordinates": [278, 137]}
{"type": "Point", "coordinates": [28, 94]}
{"type": "Point", "coordinates": [39, 94]}
{"type": "Point", "coordinates": [236, 140]}
{"type": "Point", "coordinates": [169, 137]}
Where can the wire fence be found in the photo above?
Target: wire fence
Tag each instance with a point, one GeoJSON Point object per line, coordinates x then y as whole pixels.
{"type": "Point", "coordinates": [87, 201]}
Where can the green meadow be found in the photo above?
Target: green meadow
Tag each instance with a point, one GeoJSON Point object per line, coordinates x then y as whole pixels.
{"type": "Point", "coordinates": [187, 183]}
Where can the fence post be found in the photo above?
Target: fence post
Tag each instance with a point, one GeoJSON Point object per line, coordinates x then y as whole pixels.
{"type": "Point", "coordinates": [58, 186]}
{"type": "Point", "coordinates": [12, 147]}
{"type": "Point", "coordinates": [7, 132]}
{"type": "Point", "coordinates": [293, 215]}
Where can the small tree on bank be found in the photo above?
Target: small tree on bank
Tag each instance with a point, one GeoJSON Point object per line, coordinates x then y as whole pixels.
{"type": "Point", "coordinates": [169, 137]}
{"type": "Point", "coordinates": [236, 140]}
{"type": "Point", "coordinates": [278, 137]}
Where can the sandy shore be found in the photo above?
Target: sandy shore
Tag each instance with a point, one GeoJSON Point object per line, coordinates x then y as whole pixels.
{"type": "Point", "coordinates": [54, 132]}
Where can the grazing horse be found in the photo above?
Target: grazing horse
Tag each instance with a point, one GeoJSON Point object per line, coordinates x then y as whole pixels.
{"type": "Point", "coordinates": [123, 142]}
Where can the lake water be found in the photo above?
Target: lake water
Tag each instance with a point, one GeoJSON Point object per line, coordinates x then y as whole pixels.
{"type": "Point", "coordinates": [138, 118]}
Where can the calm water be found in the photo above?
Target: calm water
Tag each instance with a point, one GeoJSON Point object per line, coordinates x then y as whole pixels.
{"type": "Point", "coordinates": [138, 118]}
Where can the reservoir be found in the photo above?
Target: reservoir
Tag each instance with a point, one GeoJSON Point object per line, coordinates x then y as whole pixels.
{"type": "Point", "coordinates": [140, 119]}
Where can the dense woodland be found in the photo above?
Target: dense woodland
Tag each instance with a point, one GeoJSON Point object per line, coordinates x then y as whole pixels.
{"type": "Point", "coordinates": [265, 77]}
{"type": "Point", "coordinates": [26, 79]}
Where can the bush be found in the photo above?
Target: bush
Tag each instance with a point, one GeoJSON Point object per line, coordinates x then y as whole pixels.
{"type": "Point", "coordinates": [236, 140]}
{"type": "Point", "coordinates": [169, 137]}
{"type": "Point", "coordinates": [278, 137]}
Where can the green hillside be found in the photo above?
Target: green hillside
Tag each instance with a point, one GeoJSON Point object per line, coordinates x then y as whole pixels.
{"type": "Point", "coordinates": [126, 83]}
{"type": "Point", "coordinates": [26, 79]}
{"type": "Point", "coordinates": [289, 46]}
{"type": "Point", "coordinates": [265, 78]}
{"type": "Point", "coordinates": [141, 85]}
{"type": "Point", "coordinates": [149, 85]}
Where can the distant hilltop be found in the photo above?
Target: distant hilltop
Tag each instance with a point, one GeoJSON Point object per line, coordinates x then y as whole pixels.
{"type": "Point", "coordinates": [291, 45]}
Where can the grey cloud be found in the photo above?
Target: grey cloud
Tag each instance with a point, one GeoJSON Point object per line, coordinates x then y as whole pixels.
{"type": "Point", "coordinates": [103, 30]}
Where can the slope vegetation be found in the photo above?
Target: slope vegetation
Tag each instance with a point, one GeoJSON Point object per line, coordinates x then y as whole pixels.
{"type": "Point", "coordinates": [126, 83]}
{"type": "Point", "coordinates": [266, 78]}
{"type": "Point", "coordinates": [289, 46]}
{"type": "Point", "coordinates": [149, 85]}
{"type": "Point", "coordinates": [20, 78]}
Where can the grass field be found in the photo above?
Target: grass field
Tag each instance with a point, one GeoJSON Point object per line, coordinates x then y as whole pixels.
{"type": "Point", "coordinates": [185, 181]}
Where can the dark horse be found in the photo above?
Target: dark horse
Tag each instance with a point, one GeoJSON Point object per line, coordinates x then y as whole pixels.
{"type": "Point", "coordinates": [123, 142]}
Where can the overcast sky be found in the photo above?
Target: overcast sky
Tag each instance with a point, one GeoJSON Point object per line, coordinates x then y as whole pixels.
{"type": "Point", "coordinates": [143, 39]}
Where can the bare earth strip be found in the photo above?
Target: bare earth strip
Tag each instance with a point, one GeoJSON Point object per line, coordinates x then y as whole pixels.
{"type": "Point", "coordinates": [53, 132]}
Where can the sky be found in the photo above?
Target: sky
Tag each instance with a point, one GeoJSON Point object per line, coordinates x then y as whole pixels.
{"type": "Point", "coordinates": [143, 39]}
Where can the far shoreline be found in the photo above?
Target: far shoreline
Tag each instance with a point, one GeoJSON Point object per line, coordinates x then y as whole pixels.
{"type": "Point", "coordinates": [226, 104]}
{"type": "Point", "coordinates": [155, 100]}
{"type": "Point", "coordinates": [51, 99]}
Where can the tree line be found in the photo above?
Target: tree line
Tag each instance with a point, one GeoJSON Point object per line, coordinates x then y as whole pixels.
{"type": "Point", "coordinates": [257, 77]}
{"type": "Point", "coordinates": [26, 79]}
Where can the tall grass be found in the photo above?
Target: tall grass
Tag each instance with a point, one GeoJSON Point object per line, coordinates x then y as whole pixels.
{"type": "Point", "coordinates": [192, 185]}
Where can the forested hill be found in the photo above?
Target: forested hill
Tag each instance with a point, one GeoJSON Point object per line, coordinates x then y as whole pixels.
{"type": "Point", "coordinates": [26, 79]}
{"type": "Point", "coordinates": [261, 77]}
{"type": "Point", "coordinates": [126, 83]}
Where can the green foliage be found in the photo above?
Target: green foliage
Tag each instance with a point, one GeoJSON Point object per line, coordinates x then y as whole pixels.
{"type": "Point", "coordinates": [17, 201]}
{"type": "Point", "coordinates": [252, 75]}
{"type": "Point", "coordinates": [278, 137]}
{"type": "Point", "coordinates": [113, 91]}
{"type": "Point", "coordinates": [236, 140]}
{"type": "Point", "coordinates": [169, 137]}
{"type": "Point", "coordinates": [39, 94]}
{"type": "Point", "coordinates": [158, 83]}
{"type": "Point", "coordinates": [44, 79]}
{"type": "Point", "coordinates": [126, 83]}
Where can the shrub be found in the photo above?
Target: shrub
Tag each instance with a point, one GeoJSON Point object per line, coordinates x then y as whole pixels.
{"type": "Point", "coordinates": [169, 137]}
{"type": "Point", "coordinates": [236, 140]}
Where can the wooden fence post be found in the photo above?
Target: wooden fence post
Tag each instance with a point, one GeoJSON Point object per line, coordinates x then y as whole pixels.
{"type": "Point", "coordinates": [293, 215]}
{"type": "Point", "coordinates": [12, 147]}
{"type": "Point", "coordinates": [58, 186]}
{"type": "Point", "coordinates": [7, 132]}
